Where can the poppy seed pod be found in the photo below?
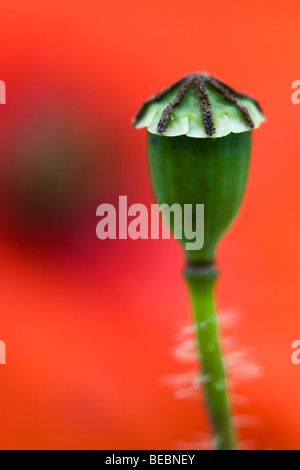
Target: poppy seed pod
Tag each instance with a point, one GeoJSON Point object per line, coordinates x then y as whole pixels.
{"type": "Point", "coordinates": [199, 140]}
{"type": "Point", "coordinates": [199, 137]}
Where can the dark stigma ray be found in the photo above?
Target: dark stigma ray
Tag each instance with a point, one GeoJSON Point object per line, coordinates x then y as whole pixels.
{"type": "Point", "coordinates": [238, 94]}
{"type": "Point", "coordinates": [205, 105]}
{"type": "Point", "coordinates": [156, 97]}
{"type": "Point", "coordinates": [226, 93]}
{"type": "Point", "coordinates": [166, 114]}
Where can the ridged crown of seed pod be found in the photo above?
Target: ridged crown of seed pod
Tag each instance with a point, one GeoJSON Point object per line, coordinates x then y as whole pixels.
{"type": "Point", "coordinates": [199, 106]}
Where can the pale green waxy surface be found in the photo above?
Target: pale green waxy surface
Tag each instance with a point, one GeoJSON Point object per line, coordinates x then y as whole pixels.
{"type": "Point", "coordinates": [187, 117]}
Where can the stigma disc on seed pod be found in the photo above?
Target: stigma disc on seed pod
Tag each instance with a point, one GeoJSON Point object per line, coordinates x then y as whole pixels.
{"type": "Point", "coordinates": [199, 106]}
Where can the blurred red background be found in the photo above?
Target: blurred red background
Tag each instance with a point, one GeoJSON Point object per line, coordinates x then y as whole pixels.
{"type": "Point", "coordinates": [90, 325]}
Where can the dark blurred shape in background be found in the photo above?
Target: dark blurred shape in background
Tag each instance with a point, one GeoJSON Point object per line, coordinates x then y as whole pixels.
{"type": "Point", "coordinates": [54, 176]}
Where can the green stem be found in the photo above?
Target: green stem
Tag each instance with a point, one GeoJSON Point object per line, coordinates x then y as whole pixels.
{"type": "Point", "coordinates": [201, 281]}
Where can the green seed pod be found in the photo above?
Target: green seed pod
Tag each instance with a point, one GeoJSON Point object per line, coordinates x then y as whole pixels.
{"type": "Point", "coordinates": [199, 137]}
{"type": "Point", "coordinates": [211, 168]}
{"type": "Point", "coordinates": [212, 172]}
